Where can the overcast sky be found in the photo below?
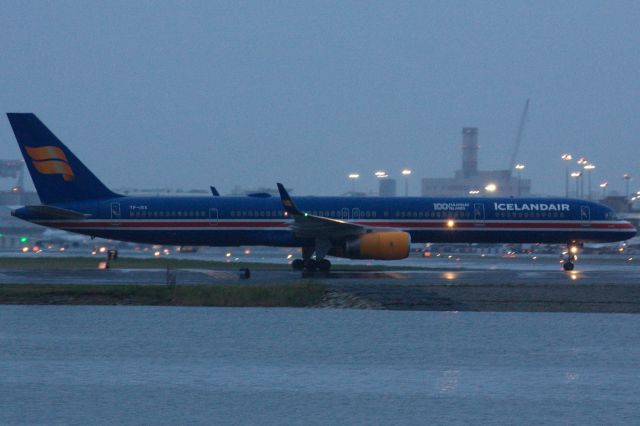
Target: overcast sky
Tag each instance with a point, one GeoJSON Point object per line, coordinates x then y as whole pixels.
{"type": "Point", "coordinates": [190, 94]}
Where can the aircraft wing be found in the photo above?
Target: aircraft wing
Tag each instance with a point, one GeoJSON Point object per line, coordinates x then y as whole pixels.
{"type": "Point", "coordinates": [306, 225]}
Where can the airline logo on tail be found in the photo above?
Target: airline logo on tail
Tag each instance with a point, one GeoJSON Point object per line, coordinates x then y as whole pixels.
{"type": "Point", "coordinates": [50, 160]}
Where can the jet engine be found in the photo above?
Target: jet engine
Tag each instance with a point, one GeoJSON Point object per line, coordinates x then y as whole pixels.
{"type": "Point", "coordinates": [383, 245]}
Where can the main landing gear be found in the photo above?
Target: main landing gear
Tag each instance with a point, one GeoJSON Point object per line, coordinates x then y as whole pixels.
{"type": "Point", "coordinates": [572, 256]}
{"type": "Point", "coordinates": [312, 264]}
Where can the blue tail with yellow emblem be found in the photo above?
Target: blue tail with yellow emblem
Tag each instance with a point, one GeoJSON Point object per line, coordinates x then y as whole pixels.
{"type": "Point", "coordinates": [58, 175]}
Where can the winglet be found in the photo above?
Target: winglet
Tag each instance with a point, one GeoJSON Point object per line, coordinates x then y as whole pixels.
{"type": "Point", "coordinates": [287, 202]}
{"type": "Point", "coordinates": [214, 191]}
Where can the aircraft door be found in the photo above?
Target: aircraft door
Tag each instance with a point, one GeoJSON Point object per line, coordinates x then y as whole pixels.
{"type": "Point", "coordinates": [115, 211]}
{"type": "Point", "coordinates": [213, 217]}
{"type": "Point", "coordinates": [585, 215]}
{"type": "Point", "coordinates": [345, 213]}
{"type": "Point", "coordinates": [478, 213]}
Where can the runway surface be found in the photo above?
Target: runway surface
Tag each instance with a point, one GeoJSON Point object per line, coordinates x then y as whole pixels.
{"type": "Point", "coordinates": [603, 285]}
{"type": "Point", "coordinates": [471, 273]}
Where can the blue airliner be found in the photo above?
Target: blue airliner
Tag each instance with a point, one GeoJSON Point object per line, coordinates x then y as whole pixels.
{"type": "Point", "coordinates": [74, 199]}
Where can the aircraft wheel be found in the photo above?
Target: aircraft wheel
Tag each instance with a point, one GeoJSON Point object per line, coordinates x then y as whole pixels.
{"type": "Point", "coordinates": [297, 264]}
{"type": "Point", "coordinates": [324, 265]}
{"type": "Point", "coordinates": [310, 265]}
{"type": "Point", "coordinates": [568, 266]}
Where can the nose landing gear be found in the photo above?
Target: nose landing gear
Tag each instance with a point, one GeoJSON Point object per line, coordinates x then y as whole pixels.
{"type": "Point", "coordinates": [572, 256]}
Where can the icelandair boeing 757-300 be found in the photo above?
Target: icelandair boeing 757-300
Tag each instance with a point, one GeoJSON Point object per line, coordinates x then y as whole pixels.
{"type": "Point", "coordinates": [74, 199]}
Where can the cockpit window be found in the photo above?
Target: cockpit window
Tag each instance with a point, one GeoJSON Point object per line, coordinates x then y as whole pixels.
{"type": "Point", "coordinates": [611, 216]}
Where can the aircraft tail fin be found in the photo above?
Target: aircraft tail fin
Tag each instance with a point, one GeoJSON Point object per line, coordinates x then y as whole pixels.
{"type": "Point", "coordinates": [57, 174]}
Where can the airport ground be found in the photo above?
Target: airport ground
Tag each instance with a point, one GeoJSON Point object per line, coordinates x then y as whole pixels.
{"type": "Point", "coordinates": [462, 282]}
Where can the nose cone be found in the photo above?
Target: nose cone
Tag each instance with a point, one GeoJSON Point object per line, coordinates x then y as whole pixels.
{"type": "Point", "coordinates": [631, 231]}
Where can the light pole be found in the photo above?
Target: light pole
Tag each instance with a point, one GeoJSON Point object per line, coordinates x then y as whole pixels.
{"type": "Point", "coordinates": [627, 179]}
{"type": "Point", "coordinates": [519, 167]}
{"type": "Point", "coordinates": [353, 177]}
{"type": "Point", "coordinates": [491, 188]}
{"type": "Point", "coordinates": [566, 158]}
{"type": "Point", "coordinates": [577, 176]}
{"type": "Point", "coordinates": [588, 167]}
{"type": "Point", "coordinates": [406, 173]}
{"type": "Point", "coordinates": [582, 162]}
{"type": "Point", "coordinates": [604, 185]}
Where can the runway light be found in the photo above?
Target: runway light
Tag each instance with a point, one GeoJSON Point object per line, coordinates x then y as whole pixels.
{"type": "Point", "coordinates": [630, 259]}
{"type": "Point", "coordinates": [25, 249]}
{"type": "Point", "coordinates": [228, 254]}
{"type": "Point", "coordinates": [156, 253]}
{"type": "Point", "coordinates": [247, 251]}
{"type": "Point", "coordinates": [450, 223]}
{"type": "Point", "coordinates": [289, 256]}
{"type": "Point", "coordinates": [573, 249]}
{"type": "Point", "coordinates": [103, 249]}
{"type": "Point", "coordinates": [492, 187]}
{"type": "Point", "coordinates": [449, 276]}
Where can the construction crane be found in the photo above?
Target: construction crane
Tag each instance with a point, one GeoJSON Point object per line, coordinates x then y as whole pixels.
{"type": "Point", "coordinates": [523, 117]}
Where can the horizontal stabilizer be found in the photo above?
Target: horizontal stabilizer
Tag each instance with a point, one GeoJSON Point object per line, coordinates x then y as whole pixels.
{"type": "Point", "coordinates": [50, 212]}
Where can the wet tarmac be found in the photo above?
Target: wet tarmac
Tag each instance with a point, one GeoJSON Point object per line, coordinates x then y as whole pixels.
{"type": "Point", "coordinates": [618, 272]}
{"type": "Point", "coordinates": [338, 278]}
{"type": "Point", "coordinates": [603, 285]}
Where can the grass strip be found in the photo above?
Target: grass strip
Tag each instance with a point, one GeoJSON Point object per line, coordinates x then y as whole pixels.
{"type": "Point", "coordinates": [299, 294]}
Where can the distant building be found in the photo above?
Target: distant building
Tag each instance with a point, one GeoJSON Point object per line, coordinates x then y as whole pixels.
{"type": "Point", "coordinates": [471, 181]}
{"type": "Point", "coordinates": [14, 232]}
{"type": "Point", "coordinates": [387, 187]}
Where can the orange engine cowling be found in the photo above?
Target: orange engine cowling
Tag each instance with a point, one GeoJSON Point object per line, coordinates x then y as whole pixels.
{"type": "Point", "coordinates": [383, 245]}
